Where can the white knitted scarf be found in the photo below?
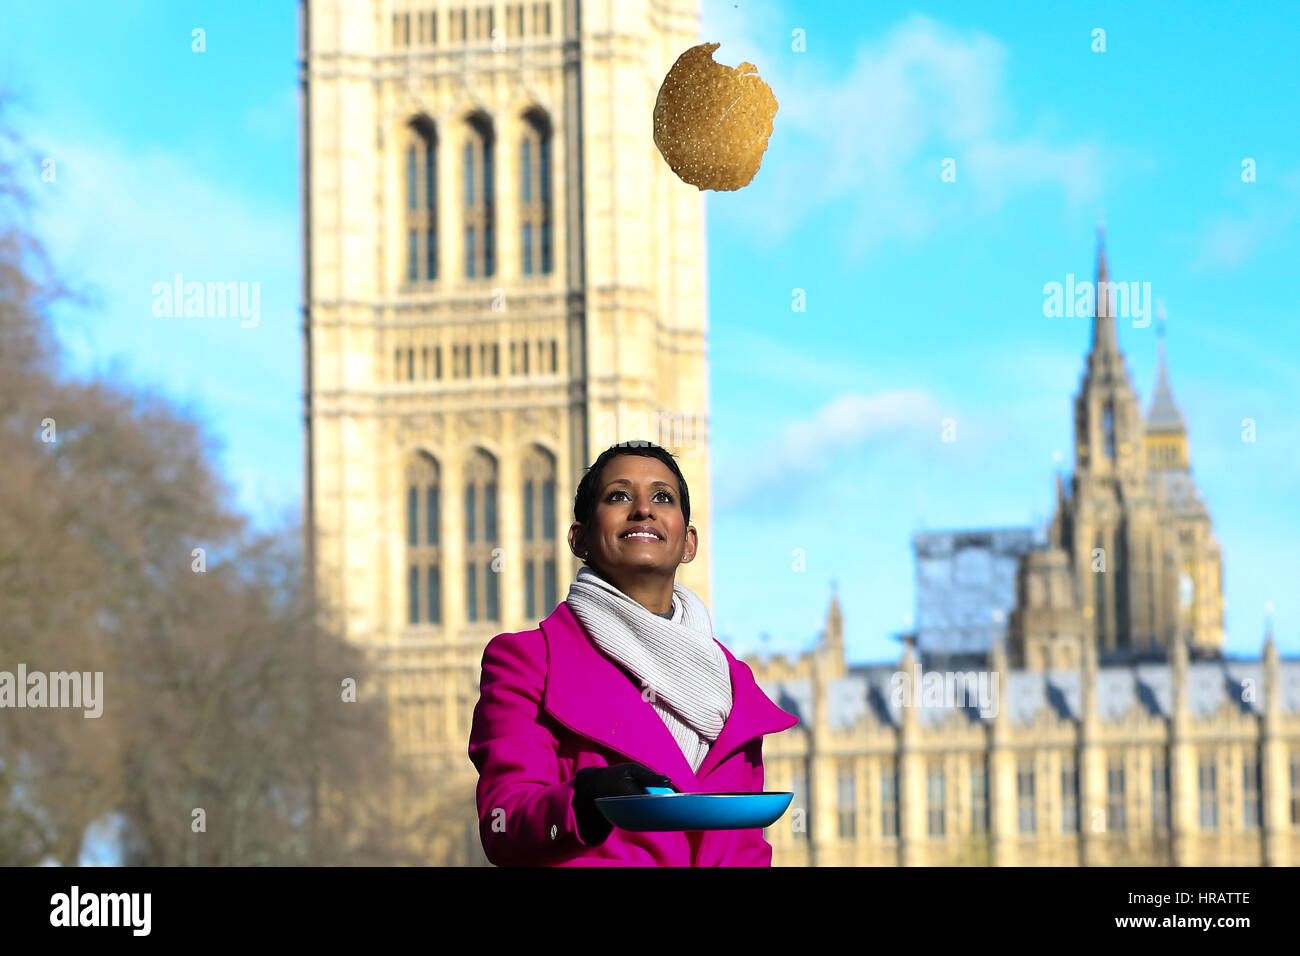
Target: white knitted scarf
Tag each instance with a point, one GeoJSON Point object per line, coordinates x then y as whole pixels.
{"type": "Point", "coordinates": [682, 669]}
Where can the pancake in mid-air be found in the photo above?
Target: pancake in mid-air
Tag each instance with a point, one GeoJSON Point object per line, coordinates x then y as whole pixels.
{"type": "Point", "coordinates": [712, 121]}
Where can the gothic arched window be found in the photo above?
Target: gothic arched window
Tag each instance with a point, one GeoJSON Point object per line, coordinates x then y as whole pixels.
{"type": "Point", "coordinates": [421, 201]}
{"type": "Point", "coordinates": [476, 174]}
{"type": "Point", "coordinates": [482, 591]}
{"type": "Point", "coordinates": [538, 471]}
{"type": "Point", "coordinates": [423, 578]}
{"type": "Point", "coordinates": [535, 195]}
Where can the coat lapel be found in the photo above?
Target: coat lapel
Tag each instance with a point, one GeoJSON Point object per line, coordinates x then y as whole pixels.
{"type": "Point", "coordinates": [593, 696]}
{"type": "Point", "coordinates": [752, 715]}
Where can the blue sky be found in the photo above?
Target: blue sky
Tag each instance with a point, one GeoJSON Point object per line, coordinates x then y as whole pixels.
{"type": "Point", "coordinates": [923, 297]}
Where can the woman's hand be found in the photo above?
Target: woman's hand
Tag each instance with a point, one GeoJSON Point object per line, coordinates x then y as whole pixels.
{"type": "Point", "coordinates": [619, 780]}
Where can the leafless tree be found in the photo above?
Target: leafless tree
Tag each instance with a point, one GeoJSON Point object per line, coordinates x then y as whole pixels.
{"type": "Point", "coordinates": [227, 735]}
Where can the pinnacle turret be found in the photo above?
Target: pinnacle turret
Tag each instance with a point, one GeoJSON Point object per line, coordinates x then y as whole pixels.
{"type": "Point", "coordinates": [1164, 414]}
{"type": "Point", "coordinates": [1103, 323]}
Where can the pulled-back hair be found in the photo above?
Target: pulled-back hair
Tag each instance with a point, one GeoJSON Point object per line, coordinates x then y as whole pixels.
{"type": "Point", "coordinates": [584, 502]}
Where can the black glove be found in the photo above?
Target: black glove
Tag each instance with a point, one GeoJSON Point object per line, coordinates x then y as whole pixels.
{"type": "Point", "coordinates": [620, 780]}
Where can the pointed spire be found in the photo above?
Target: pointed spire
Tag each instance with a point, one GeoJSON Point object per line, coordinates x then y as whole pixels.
{"type": "Point", "coordinates": [833, 635]}
{"type": "Point", "coordinates": [1103, 325]}
{"type": "Point", "coordinates": [1272, 680]}
{"type": "Point", "coordinates": [1164, 414]}
{"type": "Point", "coordinates": [1101, 246]}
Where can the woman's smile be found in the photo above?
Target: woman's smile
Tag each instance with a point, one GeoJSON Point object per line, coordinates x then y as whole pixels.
{"type": "Point", "coordinates": [637, 531]}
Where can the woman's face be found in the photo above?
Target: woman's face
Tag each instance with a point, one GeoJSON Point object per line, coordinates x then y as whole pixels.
{"type": "Point", "coordinates": [636, 492]}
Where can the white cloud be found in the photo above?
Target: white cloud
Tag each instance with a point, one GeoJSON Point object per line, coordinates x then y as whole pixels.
{"type": "Point", "coordinates": [113, 208]}
{"type": "Point", "coordinates": [752, 355]}
{"type": "Point", "coordinates": [117, 221]}
{"type": "Point", "coordinates": [1225, 243]}
{"type": "Point", "coordinates": [807, 446]}
{"type": "Point", "coordinates": [873, 140]}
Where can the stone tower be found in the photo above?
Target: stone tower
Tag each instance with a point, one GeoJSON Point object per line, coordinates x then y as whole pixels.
{"type": "Point", "coordinates": [1145, 562]}
{"type": "Point", "coordinates": [1195, 553]}
{"type": "Point", "coordinates": [502, 278]}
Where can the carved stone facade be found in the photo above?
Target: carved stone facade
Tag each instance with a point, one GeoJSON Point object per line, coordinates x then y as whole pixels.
{"type": "Point", "coordinates": [1102, 727]}
{"type": "Point", "coordinates": [1146, 564]}
{"type": "Point", "coordinates": [502, 278]}
{"type": "Point", "coordinates": [1159, 763]}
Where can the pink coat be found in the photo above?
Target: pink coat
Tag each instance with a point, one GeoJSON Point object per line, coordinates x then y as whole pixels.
{"type": "Point", "coordinates": [551, 704]}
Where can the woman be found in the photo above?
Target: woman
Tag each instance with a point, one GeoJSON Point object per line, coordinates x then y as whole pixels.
{"type": "Point", "coordinates": [623, 687]}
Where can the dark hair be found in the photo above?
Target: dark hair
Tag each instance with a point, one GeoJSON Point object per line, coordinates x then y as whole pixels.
{"type": "Point", "coordinates": [584, 503]}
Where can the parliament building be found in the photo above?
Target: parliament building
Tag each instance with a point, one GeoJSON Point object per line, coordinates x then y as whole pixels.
{"type": "Point", "coordinates": [1064, 699]}
{"type": "Point", "coordinates": [502, 277]}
